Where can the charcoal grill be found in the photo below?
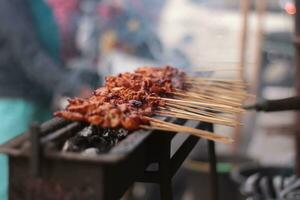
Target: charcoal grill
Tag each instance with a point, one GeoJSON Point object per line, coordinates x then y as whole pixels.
{"type": "Point", "coordinates": [38, 170]}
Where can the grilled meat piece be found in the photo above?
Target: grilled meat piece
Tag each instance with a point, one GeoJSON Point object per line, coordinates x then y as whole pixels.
{"type": "Point", "coordinates": [126, 98]}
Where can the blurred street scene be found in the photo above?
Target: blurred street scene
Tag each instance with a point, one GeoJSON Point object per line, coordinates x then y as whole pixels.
{"type": "Point", "coordinates": [97, 38]}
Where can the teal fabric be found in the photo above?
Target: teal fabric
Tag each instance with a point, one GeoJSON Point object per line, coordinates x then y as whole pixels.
{"type": "Point", "coordinates": [46, 27]}
{"type": "Point", "coordinates": [15, 116]}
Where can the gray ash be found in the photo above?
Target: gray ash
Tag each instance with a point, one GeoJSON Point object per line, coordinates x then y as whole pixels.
{"type": "Point", "coordinates": [93, 137]}
{"type": "Point", "coordinates": [135, 103]}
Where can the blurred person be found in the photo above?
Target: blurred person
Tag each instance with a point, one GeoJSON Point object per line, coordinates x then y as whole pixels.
{"type": "Point", "coordinates": [130, 26]}
{"type": "Point", "coordinates": [31, 70]}
{"type": "Point", "coordinates": [66, 14]}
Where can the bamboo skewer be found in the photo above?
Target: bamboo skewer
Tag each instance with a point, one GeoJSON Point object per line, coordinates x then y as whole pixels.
{"type": "Point", "coordinates": [214, 69]}
{"type": "Point", "coordinates": [197, 115]}
{"type": "Point", "coordinates": [195, 132]}
{"type": "Point", "coordinates": [197, 111]}
{"type": "Point", "coordinates": [229, 88]}
{"type": "Point", "coordinates": [202, 105]}
{"type": "Point", "coordinates": [190, 117]}
{"type": "Point", "coordinates": [205, 99]}
{"type": "Point", "coordinates": [217, 84]}
{"type": "Point", "coordinates": [200, 115]}
{"type": "Point", "coordinates": [195, 97]}
{"type": "Point", "coordinates": [216, 88]}
{"type": "Point", "coordinates": [237, 94]}
{"type": "Point", "coordinates": [220, 80]}
{"type": "Point", "coordinates": [166, 126]}
{"type": "Point", "coordinates": [208, 109]}
{"type": "Point", "coordinates": [199, 133]}
{"type": "Point", "coordinates": [206, 112]}
{"type": "Point", "coordinates": [214, 97]}
{"type": "Point", "coordinates": [208, 79]}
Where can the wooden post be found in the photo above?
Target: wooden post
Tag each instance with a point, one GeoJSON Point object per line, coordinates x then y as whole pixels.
{"type": "Point", "coordinates": [297, 84]}
{"type": "Point", "coordinates": [245, 5]}
{"type": "Point", "coordinates": [260, 9]}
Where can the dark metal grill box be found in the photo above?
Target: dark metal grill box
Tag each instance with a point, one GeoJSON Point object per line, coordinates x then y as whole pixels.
{"type": "Point", "coordinates": [38, 170]}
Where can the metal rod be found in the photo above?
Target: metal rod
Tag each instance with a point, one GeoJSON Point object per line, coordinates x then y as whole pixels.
{"type": "Point", "coordinates": [297, 81]}
{"type": "Point", "coordinates": [291, 103]}
{"type": "Point", "coordinates": [61, 132]}
{"type": "Point", "coordinates": [245, 7]}
{"type": "Point", "coordinates": [150, 177]}
{"type": "Point", "coordinates": [181, 154]}
{"type": "Point", "coordinates": [36, 152]}
{"type": "Point", "coordinates": [260, 6]}
{"type": "Point", "coordinates": [53, 125]}
{"type": "Point", "coordinates": [166, 192]}
{"type": "Point", "coordinates": [213, 170]}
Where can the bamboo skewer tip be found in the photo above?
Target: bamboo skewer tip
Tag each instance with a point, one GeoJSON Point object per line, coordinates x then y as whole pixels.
{"type": "Point", "coordinates": [156, 124]}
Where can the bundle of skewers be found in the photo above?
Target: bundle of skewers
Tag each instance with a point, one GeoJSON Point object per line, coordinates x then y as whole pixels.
{"type": "Point", "coordinates": [131, 101]}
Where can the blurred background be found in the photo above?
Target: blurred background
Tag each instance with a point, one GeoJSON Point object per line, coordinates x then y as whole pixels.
{"type": "Point", "coordinates": [249, 40]}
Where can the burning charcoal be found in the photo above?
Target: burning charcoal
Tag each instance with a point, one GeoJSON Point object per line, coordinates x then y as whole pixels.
{"type": "Point", "coordinates": [106, 133]}
{"type": "Point", "coordinates": [113, 136]}
{"type": "Point", "coordinates": [102, 144]}
{"type": "Point", "coordinates": [95, 137]}
{"type": "Point", "coordinates": [97, 130]}
{"type": "Point", "coordinates": [90, 152]}
{"type": "Point", "coordinates": [114, 141]}
{"type": "Point", "coordinates": [96, 141]}
{"type": "Point", "coordinates": [66, 146]}
{"type": "Point", "coordinates": [110, 140]}
{"type": "Point", "coordinates": [78, 143]}
{"type": "Point", "coordinates": [122, 133]}
{"type": "Point", "coordinates": [69, 146]}
{"type": "Point", "coordinates": [87, 131]}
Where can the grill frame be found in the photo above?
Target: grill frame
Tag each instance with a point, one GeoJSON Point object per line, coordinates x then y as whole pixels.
{"type": "Point", "coordinates": [107, 176]}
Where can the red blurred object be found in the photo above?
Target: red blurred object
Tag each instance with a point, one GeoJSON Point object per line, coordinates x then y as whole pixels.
{"type": "Point", "coordinates": [290, 8]}
{"type": "Point", "coordinates": [63, 11]}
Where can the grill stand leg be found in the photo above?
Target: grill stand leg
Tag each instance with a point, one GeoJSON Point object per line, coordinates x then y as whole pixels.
{"type": "Point", "coordinates": [214, 186]}
{"type": "Point", "coordinates": [168, 166]}
{"type": "Point", "coordinates": [35, 159]}
{"type": "Point", "coordinates": [213, 171]}
{"type": "Point", "coordinates": [166, 192]}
